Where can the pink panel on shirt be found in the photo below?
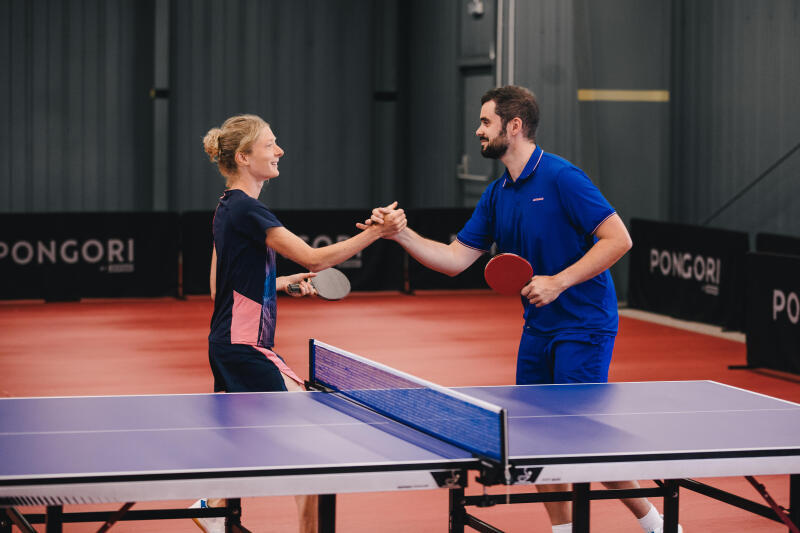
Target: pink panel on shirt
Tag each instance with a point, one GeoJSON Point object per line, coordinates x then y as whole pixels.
{"type": "Point", "coordinates": [244, 320]}
{"type": "Point", "coordinates": [283, 367]}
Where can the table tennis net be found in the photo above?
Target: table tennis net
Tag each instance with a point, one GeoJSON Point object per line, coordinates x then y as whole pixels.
{"type": "Point", "coordinates": [453, 417]}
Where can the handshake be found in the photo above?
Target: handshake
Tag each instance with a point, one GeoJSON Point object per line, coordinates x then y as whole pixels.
{"type": "Point", "coordinates": [388, 221]}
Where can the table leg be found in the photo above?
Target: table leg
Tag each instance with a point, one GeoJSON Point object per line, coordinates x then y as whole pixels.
{"type": "Point", "coordinates": [671, 501]}
{"type": "Point", "coordinates": [54, 519]}
{"type": "Point", "coordinates": [457, 510]}
{"type": "Point", "coordinates": [233, 516]}
{"type": "Point", "coordinates": [327, 513]}
{"type": "Point", "coordinates": [580, 507]}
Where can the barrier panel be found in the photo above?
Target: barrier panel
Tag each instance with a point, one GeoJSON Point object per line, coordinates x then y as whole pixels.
{"type": "Point", "coordinates": [442, 225]}
{"type": "Point", "coordinates": [378, 267]}
{"type": "Point", "coordinates": [777, 244]}
{"type": "Point", "coordinates": [68, 256]}
{"type": "Point", "coordinates": [773, 312]}
{"type": "Point", "coordinates": [197, 241]}
{"type": "Point", "coordinates": [382, 266]}
{"type": "Point", "coordinates": [689, 272]}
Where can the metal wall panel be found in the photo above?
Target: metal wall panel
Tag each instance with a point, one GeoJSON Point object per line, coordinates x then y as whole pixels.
{"type": "Point", "coordinates": [74, 124]}
{"type": "Point", "coordinates": [623, 146]}
{"type": "Point", "coordinates": [565, 46]}
{"type": "Point", "coordinates": [737, 113]}
{"type": "Point", "coordinates": [77, 130]}
{"type": "Point", "coordinates": [478, 72]}
{"type": "Point", "coordinates": [385, 135]}
{"type": "Point", "coordinates": [429, 103]}
{"type": "Point", "coordinates": [545, 63]}
{"type": "Point", "coordinates": [305, 67]}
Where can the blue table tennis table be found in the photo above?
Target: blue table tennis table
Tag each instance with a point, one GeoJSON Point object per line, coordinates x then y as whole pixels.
{"type": "Point", "coordinates": [372, 428]}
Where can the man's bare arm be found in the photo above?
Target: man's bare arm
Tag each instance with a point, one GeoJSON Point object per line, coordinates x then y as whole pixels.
{"type": "Point", "coordinates": [450, 259]}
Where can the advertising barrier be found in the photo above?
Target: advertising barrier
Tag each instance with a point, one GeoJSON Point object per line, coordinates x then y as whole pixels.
{"type": "Point", "coordinates": [688, 272]}
{"type": "Point", "coordinates": [777, 244]}
{"type": "Point", "coordinates": [773, 312]}
{"type": "Point", "coordinates": [442, 225]}
{"type": "Point", "coordinates": [61, 257]}
{"type": "Point", "coordinates": [197, 241]}
{"type": "Point", "coordinates": [382, 266]}
{"type": "Point", "coordinates": [378, 267]}
{"type": "Point", "coordinates": [67, 256]}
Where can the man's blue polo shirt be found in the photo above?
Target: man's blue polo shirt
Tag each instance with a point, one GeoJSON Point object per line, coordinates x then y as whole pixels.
{"type": "Point", "coordinates": [549, 216]}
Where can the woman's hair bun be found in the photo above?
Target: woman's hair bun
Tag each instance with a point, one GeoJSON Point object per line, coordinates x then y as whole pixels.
{"type": "Point", "coordinates": [211, 143]}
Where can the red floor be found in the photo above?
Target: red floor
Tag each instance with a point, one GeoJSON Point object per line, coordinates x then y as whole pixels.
{"type": "Point", "coordinates": [453, 338]}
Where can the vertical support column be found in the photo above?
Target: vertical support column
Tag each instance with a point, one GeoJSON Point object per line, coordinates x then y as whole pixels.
{"type": "Point", "coordinates": [386, 66]}
{"type": "Point", "coordinates": [457, 510]}
{"type": "Point", "coordinates": [671, 501]}
{"type": "Point", "coordinates": [327, 513]}
{"type": "Point", "coordinates": [54, 519]}
{"type": "Point", "coordinates": [580, 507]}
{"type": "Point", "coordinates": [160, 96]}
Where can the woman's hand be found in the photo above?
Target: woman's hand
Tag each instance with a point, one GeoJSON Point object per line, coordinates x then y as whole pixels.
{"type": "Point", "coordinates": [300, 280]}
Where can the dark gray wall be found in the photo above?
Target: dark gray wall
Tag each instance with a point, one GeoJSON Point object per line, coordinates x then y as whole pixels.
{"type": "Point", "coordinates": [305, 67]}
{"type": "Point", "coordinates": [544, 51]}
{"type": "Point", "coordinates": [737, 113]}
{"type": "Point", "coordinates": [373, 101]}
{"type": "Point", "coordinates": [429, 102]}
{"type": "Point", "coordinates": [625, 145]}
{"type": "Point", "coordinates": [561, 47]}
{"type": "Point", "coordinates": [75, 120]}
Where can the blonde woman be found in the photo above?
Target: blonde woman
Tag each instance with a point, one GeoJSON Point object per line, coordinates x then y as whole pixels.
{"type": "Point", "coordinates": [247, 235]}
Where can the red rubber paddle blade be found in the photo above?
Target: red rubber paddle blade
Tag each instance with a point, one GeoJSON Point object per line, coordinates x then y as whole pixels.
{"type": "Point", "coordinates": [508, 273]}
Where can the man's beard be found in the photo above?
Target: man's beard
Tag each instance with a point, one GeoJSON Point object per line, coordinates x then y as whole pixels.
{"type": "Point", "coordinates": [496, 148]}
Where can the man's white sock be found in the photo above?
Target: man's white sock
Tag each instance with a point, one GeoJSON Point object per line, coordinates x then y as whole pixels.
{"type": "Point", "coordinates": [563, 528]}
{"type": "Point", "coordinates": [652, 521]}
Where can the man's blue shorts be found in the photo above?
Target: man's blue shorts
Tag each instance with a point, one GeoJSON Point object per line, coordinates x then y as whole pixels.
{"type": "Point", "coordinates": [242, 368]}
{"type": "Point", "coordinates": [564, 358]}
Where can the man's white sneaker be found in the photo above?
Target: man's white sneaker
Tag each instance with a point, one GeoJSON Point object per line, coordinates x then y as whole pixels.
{"type": "Point", "coordinates": [214, 524]}
{"type": "Point", "coordinates": [661, 529]}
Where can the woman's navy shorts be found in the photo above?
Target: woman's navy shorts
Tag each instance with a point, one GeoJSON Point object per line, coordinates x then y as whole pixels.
{"type": "Point", "coordinates": [242, 368]}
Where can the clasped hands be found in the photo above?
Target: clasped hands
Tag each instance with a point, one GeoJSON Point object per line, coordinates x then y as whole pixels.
{"type": "Point", "coordinates": [387, 220]}
{"type": "Point", "coordinates": [540, 291]}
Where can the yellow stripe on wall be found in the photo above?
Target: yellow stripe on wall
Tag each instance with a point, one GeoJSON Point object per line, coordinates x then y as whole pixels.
{"type": "Point", "coordinates": [610, 95]}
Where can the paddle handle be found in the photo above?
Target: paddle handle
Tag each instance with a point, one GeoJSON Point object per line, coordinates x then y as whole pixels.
{"type": "Point", "coordinates": [294, 288]}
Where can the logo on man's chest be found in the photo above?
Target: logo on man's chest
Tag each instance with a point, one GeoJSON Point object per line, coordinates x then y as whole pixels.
{"type": "Point", "coordinates": [537, 199]}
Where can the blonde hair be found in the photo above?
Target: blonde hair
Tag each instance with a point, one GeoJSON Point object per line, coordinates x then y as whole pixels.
{"type": "Point", "coordinates": [237, 134]}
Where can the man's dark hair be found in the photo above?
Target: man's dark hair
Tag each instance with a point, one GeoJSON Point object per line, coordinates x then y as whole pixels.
{"type": "Point", "coordinates": [513, 101]}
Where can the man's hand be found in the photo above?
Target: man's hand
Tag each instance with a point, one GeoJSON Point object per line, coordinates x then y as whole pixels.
{"type": "Point", "coordinates": [542, 290]}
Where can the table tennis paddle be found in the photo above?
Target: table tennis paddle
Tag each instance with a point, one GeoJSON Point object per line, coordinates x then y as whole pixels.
{"type": "Point", "coordinates": [330, 284]}
{"type": "Point", "coordinates": [508, 273]}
